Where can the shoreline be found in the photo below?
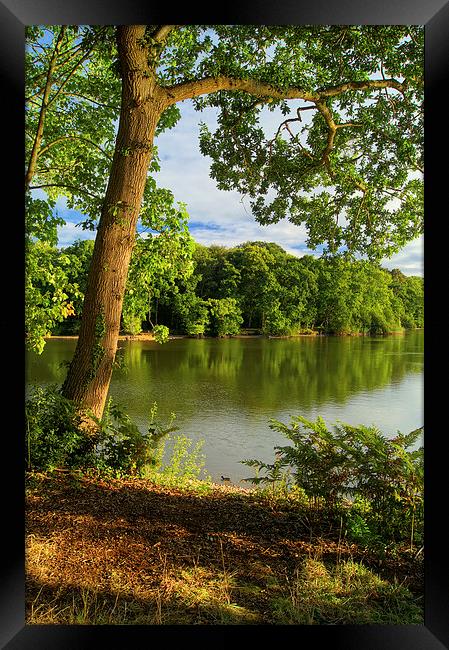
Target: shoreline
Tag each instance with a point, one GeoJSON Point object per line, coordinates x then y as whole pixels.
{"type": "Point", "coordinates": [149, 336]}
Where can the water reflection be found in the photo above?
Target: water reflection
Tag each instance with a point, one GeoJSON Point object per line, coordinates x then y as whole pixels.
{"type": "Point", "coordinates": [225, 391]}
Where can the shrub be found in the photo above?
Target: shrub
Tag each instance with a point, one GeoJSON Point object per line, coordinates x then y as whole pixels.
{"type": "Point", "coordinates": [184, 467]}
{"type": "Point", "coordinates": [132, 324]}
{"type": "Point", "coordinates": [121, 445]}
{"type": "Point", "coordinates": [161, 333]}
{"type": "Point", "coordinates": [53, 436]}
{"type": "Point", "coordinates": [195, 329]}
{"type": "Point", "coordinates": [381, 478]}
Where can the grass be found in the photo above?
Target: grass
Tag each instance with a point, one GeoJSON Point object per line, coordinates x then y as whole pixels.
{"type": "Point", "coordinates": [344, 593]}
{"type": "Point", "coordinates": [130, 552]}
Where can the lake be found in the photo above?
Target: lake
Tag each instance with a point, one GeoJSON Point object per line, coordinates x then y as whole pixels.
{"type": "Point", "coordinates": [224, 391]}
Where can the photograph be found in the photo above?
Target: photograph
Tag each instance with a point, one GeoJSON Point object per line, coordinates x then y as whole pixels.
{"type": "Point", "coordinates": [221, 272]}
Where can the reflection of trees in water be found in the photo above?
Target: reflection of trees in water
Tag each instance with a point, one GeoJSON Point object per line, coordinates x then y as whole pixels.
{"type": "Point", "coordinates": [278, 372]}
{"type": "Point", "coordinates": [254, 374]}
{"type": "Point", "coordinates": [50, 367]}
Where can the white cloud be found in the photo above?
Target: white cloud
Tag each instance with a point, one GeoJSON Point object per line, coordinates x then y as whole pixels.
{"type": "Point", "coordinates": [410, 260]}
{"type": "Point", "coordinates": [68, 233]}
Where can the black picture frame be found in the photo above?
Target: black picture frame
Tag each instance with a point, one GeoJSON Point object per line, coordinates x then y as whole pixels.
{"type": "Point", "coordinates": [14, 16]}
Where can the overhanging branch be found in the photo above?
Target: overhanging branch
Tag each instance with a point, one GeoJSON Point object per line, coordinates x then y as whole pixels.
{"type": "Point", "coordinates": [191, 89]}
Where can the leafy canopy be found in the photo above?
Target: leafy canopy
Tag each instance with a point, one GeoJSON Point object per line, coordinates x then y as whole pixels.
{"type": "Point", "coordinates": [346, 158]}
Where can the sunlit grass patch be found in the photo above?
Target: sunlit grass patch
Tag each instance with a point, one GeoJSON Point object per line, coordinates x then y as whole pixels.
{"type": "Point", "coordinates": [347, 593]}
{"type": "Point", "coordinates": [210, 594]}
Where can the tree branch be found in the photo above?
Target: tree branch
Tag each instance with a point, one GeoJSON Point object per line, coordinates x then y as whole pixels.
{"type": "Point", "coordinates": [362, 85]}
{"type": "Point", "coordinates": [191, 89]}
{"type": "Point", "coordinates": [73, 137]}
{"type": "Point", "coordinates": [69, 187]}
{"type": "Point", "coordinates": [162, 32]}
{"type": "Point", "coordinates": [44, 107]}
{"type": "Point", "coordinates": [89, 99]}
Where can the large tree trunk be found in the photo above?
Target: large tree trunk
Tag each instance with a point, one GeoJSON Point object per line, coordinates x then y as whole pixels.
{"type": "Point", "coordinates": [89, 375]}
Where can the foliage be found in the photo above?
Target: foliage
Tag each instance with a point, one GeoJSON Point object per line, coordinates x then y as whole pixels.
{"type": "Point", "coordinates": [131, 324]}
{"type": "Point", "coordinates": [192, 313]}
{"type": "Point", "coordinates": [288, 294]}
{"type": "Point", "coordinates": [159, 259]}
{"type": "Point", "coordinates": [350, 173]}
{"type": "Point", "coordinates": [48, 292]}
{"type": "Point", "coordinates": [161, 333]}
{"type": "Point", "coordinates": [359, 143]}
{"type": "Point", "coordinates": [409, 294]}
{"type": "Point", "coordinates": [383, 479]}
{"type": "Point", "coordinates": [225, 316]}
{"type": "Point", "coordinates": [73, 93]}
{"type": "Point", "coordinates": [355, 296]}
{"type": "Point", "coordinates": [54, 437]}
{"type": "Point", "coordinates": [122, 448]}
{"type": "Point", "coordinates": [258, 286]}
{"type": "Point", "coordinates": [183, 467]}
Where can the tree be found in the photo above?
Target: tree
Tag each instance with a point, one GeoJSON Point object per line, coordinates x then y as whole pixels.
{"type": "Point", "coordinates": [218, 278]}
{"type": "Point", "coordinates": [409, 293]}
{"type": "Point", "coordinates": [72, 104]}
{"type": "Point", "coordinates": [258, 286]}
{"type": "Point", "coordinates": [49, 292]}
{"type": "Point", "coordinates": [69, 136]}
{"type": "Point", "coordinates": [364, 86]}
{"type": "Point", "coordinates": [225, 316]}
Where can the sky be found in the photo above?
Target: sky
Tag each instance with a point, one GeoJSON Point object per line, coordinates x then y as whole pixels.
{"type": "Point", "coordinates": [217, 216]}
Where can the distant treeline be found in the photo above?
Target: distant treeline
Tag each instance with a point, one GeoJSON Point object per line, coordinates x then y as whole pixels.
{"type": "Point", "coordinates": [221, 291]}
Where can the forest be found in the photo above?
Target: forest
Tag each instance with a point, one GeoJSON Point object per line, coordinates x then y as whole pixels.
{"type": "Point", "coordinates": [219, 291]}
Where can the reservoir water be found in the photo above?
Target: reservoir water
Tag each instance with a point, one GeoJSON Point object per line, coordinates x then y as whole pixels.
{"type": "Point", "coordinates": [224, 391]}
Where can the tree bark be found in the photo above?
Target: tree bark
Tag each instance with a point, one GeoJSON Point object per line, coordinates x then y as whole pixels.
{"type": "Point", "coordinates": [89, 374]}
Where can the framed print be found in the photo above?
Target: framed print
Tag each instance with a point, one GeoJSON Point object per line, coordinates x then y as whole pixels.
{"type": "Point", "coordinates": [107, 123]}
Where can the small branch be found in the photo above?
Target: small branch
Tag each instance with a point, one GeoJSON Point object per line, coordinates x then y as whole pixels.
{"type": "Point", "coordinates": [341, 126]}
{"type": "Point", "coordinates": [89, 99]}
{"type": "Point", "coordinates": [44, 107]}
{"type": "Point", "coordinates": [73, 137]}
{"type": "Point", "coordinates": [76, 66]}
{"type": "Point", "coordinates": [69, 187]}
{"type": "Point", "coordinates": [362, 85]}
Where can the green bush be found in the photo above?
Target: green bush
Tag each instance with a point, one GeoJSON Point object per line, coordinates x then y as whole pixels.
{"type": "Point", "coordinates": [132, 324]}
{"type": "Point", "coordinates": [122, 447]}
{"type": "Point", "coordinates": [225, 316]}
{"type": "Point", "coordinates": [184, 466]}
{"type": "Point", "coordinates": [161, 333]}
{"type": "Point", "coordinates": [53, 434]}
{"type": "Point", "coordinates": [382, 480]}
{"type": "Point", "coordinates": [195, 329]}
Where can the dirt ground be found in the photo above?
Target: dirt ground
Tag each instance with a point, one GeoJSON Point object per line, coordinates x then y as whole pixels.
{"type": "Point", "coordinates": [142, 553]}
